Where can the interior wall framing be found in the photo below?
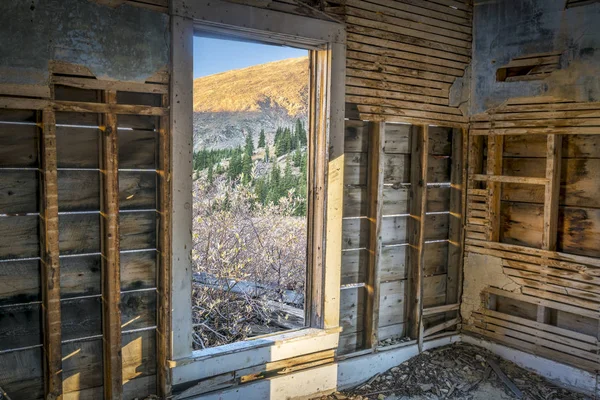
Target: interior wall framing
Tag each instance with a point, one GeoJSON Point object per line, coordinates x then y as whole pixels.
{"type": "Point", "coordinates": [412, 153]}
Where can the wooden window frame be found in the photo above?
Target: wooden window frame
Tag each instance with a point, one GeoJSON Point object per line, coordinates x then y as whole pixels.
{"type": "Point", "coordinates": [326, 42]}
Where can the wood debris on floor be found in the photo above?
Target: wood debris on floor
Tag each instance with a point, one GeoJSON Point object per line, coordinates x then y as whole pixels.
{"type": "Point", "coordinates": [459, 371]}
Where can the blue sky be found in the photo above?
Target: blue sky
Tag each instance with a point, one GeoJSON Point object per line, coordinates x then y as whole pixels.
{"type": "Point", "coordinates": [223, 55]}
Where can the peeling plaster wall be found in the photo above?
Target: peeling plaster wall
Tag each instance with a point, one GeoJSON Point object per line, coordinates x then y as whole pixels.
{"type": "Point", "coordinates": [503, 29]}
{"type": "Point", "coordinates": [124, 43]}
{"type": "Point", "coordinates": [481, 271]}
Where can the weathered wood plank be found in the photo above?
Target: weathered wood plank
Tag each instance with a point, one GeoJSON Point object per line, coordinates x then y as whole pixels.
{"type": "Point", "coordinates": [81, 317]}
{"type": "Point", "coordinates": [354, 266]}
{"type": "Point", "coordinates": [20, 237]}
{"type": "Point", "coordinates": [392, 303]}
{"type": "Point", "coordinates": [355, 169]}
{"type": "Point", "coordinates": [578, 228]}
{"type": "Point", "coordinates": [23, 374]}
{"type": "Point", "coordinates": [352, 307]}
{"type": "Point", "coordinates": [354, 233]}
{"type": "Point", "coordinates": [393, 264]}
{"type": "Point", "coordinates": [86, 197]}
{"type": "Point", "coordinates": [19, 191]}
{"type": "Point", "coordinates": [49, 249]}
{"type": "Point", "coordinates": [418, 178]}
{"type": "Point", "coordinates": [111, 240]}
{"type": "Point", "coordinates": [23, 282]}
{"type": "Point", "coordinates": [80, 276]}
{"type": "Point", "coordinates": [137, 190]}
{"type": "Point", "coordinates": [20, 326]}
{"type": "Point", "coordinates": [138, 230]}
{"type": "Point", "coordinates": [494, 167]}
{"type": "Point", "coordinates": [79, 233]}
{"type": "Point", "coordinates": [138, 270]}
{"type": "Point", "coordinates": [78, 147]}
{"type": "Point", "coordinates": [138, 310]}
{"type": "Point", "coordinates": [18, 145]}
{"type": "Point", "coordinates": [82, 369]}
{"type": "Point", "coordinates": [375, 179]}
{"type": "Point", "coordinates": [137, 149]}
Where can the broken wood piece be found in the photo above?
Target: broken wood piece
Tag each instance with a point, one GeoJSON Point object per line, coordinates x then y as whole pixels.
{"type": "Point", "coordinates": [513, 388]}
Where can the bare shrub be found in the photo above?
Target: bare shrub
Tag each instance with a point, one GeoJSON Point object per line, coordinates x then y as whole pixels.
{"type": "Point", "coordinates": [249, 263]}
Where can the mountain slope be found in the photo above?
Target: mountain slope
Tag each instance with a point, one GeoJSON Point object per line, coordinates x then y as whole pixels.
{"type": "Point", "coordinates": [229, 105]}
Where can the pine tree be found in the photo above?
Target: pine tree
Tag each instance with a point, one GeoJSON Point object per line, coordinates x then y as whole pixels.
{"type": "Point", "coordinates": [249, 148]}
{"type": "Point", "coordinates": [275, 184]}
{"type": "Point", "coordinates": [288, 178]}
{"type": "Point", "coordinates": [210, 177]}
{"type": "Point", "coordinates": [267, 155]}
{"type": "Point", "coordinates": [261, 190]}
{"type": "Point", "coordinates": [301, 133]}
{"type": "Point", "coordinates": [297, 158]}
{"type": "Point", "coordinates": [261, 139]}
{"type": "Point", "coordinates": [246, 169]}
{"type": "Point", "coordinates": [235, 166]}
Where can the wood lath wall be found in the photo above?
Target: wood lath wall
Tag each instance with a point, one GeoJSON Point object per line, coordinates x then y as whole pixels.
{"type": "Point", "coordinates": [403, 56]}
{"type": "Point", "coordinates": [402, 232]}
{"type": "Point", "coordinates": [535, 210]}
{"type": "Point", "coordinates": [79, 194]}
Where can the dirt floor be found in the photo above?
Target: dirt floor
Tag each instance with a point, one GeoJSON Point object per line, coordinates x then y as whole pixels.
{"type": "Point", "coordinates": [458, 371]}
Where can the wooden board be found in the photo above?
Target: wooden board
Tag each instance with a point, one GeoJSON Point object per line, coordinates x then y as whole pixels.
{"type": "Point", "coordinates": [580, 181]}
{"type": "Point", "coordinates": [80, 276]}
{"type": "Point", "coordinates": [352, 306]}
{"type": "Point", "coordinates": [87, 195]}
{"type": "Point", "coordinates": [395, 200]}
{"type": "Point", "coordinates": [138, 230]}
{"type": "Point", "coordinates": [393, 263]}
{"type": "Point", "coordinates": [20, 326]}
{"type": "Point", "coordinates": [355, 201]}
{"type": "Point", "coordinates": [82, 369]}
{"type": "Point", "coordinates": [139, 355]}
{"type": "Point", "coordinates": [354, 266]}
{"type": "Point", "coordinates": [20, 237]}
{"type": "Point", "coordinates": [578, 228]}
{"type": "Point", "coordinates": [573, 146]}
{"type": "Point", "coordinates": [138, 310]}
{"type": "Point", "coordinates": [355, 168]}
{"type": "Point", "coordinates": [137, 149]}
{"type": "Point", "coordinates": [392, 303]}
{"type": "Point", "coordinates": [354, 233]}
{"type": "Point", "coordinates": [434, 290]}
{"type": "Point", "coordinates": [436, 258]}
{"type": "Point", "coordinates": [77, 147]}
{"type": "Point", "coordinates": [19, 191]}
{"type": "Point", "coordinates": [21, 282]}
{"type": "Point", "coordinates": [394, 230]}
{"type": "Point", "coordinates": [137, 190]}
{"type": "Point", "coordinates": [79, 233]}
{"type": "Point", "coordinates": [81, 317]}
{"type": "Point", "coordinates": [18, 145]}
{"type": "Point", "coordinates": [23, 374]}
{"type": "Point", "coordinates": [138, 270]}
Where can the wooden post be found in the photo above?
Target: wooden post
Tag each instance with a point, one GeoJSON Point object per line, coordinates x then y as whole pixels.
{"type": "Point", "coordinates": [455, 236]}
{"type": "Point", "coordinates": [552, 191]}
{"type": "Point", "coordinates": [163, 334]}
{"type": "Point", "coordinates": [494, 167]}
{"type": "Point", "coordinates": [374, 212]}
{"type": "Point", "coordinates": [416, 226]}
{"type": "Point", "coordinates": [551, 199]}
{"type": "Point", "coordinates": [111, 287]}
{"type": "Point", "coordinates": [50, 259]}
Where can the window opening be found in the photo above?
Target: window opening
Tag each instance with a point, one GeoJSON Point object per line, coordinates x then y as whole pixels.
{"type": "Point", "coordinates": [250, 190]}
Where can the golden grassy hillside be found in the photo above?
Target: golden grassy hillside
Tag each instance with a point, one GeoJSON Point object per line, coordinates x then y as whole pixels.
{"type": "Point", "coordinates": [279, 84]}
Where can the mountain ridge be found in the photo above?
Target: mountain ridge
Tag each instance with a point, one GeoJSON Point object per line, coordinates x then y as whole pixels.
{"type": "Point", "coordinates": [231, 104]}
